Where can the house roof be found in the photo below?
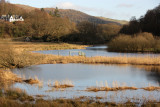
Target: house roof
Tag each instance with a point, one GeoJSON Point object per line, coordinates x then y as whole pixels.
{"type": "Point", "coordinates": [8, 16]}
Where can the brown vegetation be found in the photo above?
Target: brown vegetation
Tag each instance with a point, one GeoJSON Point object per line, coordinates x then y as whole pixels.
{"type": "Point", "coordinates": [151, 88]}
{"type": "Point", "coordinates": [142, 42]}
{"type": "Point", "coordinates": [51, 59]}
{"type": "Point", "coordinates": [31, 81]}
{"type": "Point", "coordinates": [96, 89]}
{"type": "Point", "coordinates": [17, 56]}
{"type": "Point", "coordinates": [63, 84]}
{"type": "Point", "coordinates": [12, 58]}
{"type": "Point", "coordinates": [116, 87]}
{"type": "Point", "coordinates": [78, 16]}
{"type": "Point", "coordinates": [63, 103]}
{"type": "Point", "coordinates": [43, 25]}
{"type": "Point", "coordinates": [16, 94]}
{"type": "Point", "coordinates": [7, 77]}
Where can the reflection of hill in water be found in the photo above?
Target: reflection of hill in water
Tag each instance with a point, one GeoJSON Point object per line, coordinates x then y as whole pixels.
{"type": "Point", "coordinates": [154, 74]}
{"type": "Point", "coordinates": [103, 47]}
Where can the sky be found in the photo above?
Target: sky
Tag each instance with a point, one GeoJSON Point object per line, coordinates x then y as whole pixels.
{"type": "Point", "coordinates": [115, 9]}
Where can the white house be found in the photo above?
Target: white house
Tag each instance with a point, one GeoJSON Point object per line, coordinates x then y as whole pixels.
{"type": "Point", "coordinates": [11, 18]}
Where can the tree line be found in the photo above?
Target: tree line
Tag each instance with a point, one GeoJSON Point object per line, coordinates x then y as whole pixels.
{"type": "Point", "coordinates": [150, 22]}
{"type": "Point", "coordinates": [140, 35]}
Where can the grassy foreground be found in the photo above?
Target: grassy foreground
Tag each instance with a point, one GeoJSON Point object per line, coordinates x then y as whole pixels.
{"type": "Point", "coordinates": [18, 98]}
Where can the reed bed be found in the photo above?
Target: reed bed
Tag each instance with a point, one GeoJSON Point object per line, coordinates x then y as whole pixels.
{"type": "Point", "coordinates": [52, 59]}
{"type": "Point", "coordinates": [151, 88]}
{"type": "Point", "coordinates": [32, 80]}
{"type": "Point", "coordinates": [60, 85]}
{"type": "Point", "coordinates": [116, 87]}
{"type": "Point", "coordinates": [37, 46]}
{"type": "Point", "coordinates": [7, 77]}
{"type": "Point", "coordinates": [63, 84]}
{"type": "Point", "coordinates": [15, 94]}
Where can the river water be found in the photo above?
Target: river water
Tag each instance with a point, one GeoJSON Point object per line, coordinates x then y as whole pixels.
{"type": "Point", "coordinates": [88, 75]}
{"type": "Point", "coordinates": [94, 51]}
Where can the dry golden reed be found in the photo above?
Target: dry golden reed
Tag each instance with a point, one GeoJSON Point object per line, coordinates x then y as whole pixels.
{"type": "Point", "coordinates": [63, 84]}
{"type": "Point", "coordinates": [51, 59]}
{"type": "Point", "coordinates": [117, 87]}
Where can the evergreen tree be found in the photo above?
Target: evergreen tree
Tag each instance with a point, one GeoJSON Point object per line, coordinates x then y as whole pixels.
{"type": "Point", "coordinates": [42, 9]}
{"type": "Point", "coordinates": [56, 12]}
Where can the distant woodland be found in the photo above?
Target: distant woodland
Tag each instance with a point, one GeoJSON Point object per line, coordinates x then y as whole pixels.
{"type": "Point", "coordinates": [140, 35]}
{"type": "Point", "coordinates": [150, 22]}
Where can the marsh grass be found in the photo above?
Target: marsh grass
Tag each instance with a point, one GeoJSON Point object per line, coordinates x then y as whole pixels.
{"type": "Point", "coordinates": [10, 58]}
{"type": "Point", "coordinates": [16, 94]}
{"type": "Point", "coordinates": [6, 102]}
{"type": "Point", "coordinates": [37, 46]}
{"type": "Point", "coordinates": [61, 103]}
{"type": "Point", "coordinates": [63, 84]}
{"type": "Point", "coordinates": [32, 81]}
{"type": "Point", "coordinates": [151, 88]}
{"type": "Point", "coordinates": [52, 59]}
{"type": "Point", "coordinates": [18, 54]}
{"type": "Point", "coordinates": [115, 87]}
{"type": "Point", "coordinates": [7, 78]}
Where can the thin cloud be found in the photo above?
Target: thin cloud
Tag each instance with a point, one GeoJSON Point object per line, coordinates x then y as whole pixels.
{"type": "Point", "coordinates": [125, 5]}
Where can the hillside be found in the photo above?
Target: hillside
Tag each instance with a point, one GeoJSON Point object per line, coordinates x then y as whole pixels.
{"type": "Point", "coordinates": [27, 8]}
{"type": "Point", "coordinates": [77, 16]}
{"type": "Point", "coordinates": [114, 20]}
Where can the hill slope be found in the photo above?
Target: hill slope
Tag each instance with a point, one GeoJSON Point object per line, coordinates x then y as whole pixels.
{"type": "Point", "coordinates": [77, 16]}
{"type": "Point", "coordinates": [114, 20]}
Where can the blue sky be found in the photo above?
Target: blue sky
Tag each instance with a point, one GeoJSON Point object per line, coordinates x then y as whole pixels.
{"type": "Point", "coordinates": [115, 9]}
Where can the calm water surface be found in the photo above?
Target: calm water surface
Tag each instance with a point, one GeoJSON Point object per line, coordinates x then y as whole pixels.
{"type": "Point", "coordinates": [85, 75]}
{"type": "Point", "coordinates": [94, 51]}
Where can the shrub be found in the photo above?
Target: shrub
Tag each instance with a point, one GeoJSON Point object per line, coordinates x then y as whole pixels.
{"type": "Point", "coordinates": [140, 42]}
{"type": "Point", "coordinates": [15, 58]}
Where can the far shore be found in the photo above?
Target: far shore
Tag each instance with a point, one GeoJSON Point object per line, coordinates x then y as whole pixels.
{"type": "Point", "coordinates": [22, 49]}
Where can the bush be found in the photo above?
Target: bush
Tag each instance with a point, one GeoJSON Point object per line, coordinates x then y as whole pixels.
{"type": "Point", "coordinates": [140, 42]}
{"type": "Point", "coordinates": [15, 58]}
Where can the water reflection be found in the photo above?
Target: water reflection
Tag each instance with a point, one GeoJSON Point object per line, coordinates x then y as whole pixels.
{"type": "Point", "coordinates": [85, 75]}
{"type": "Point", "coordinates": [154, 75]}
{"type": "Point", "coordinates": [94, 51]}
